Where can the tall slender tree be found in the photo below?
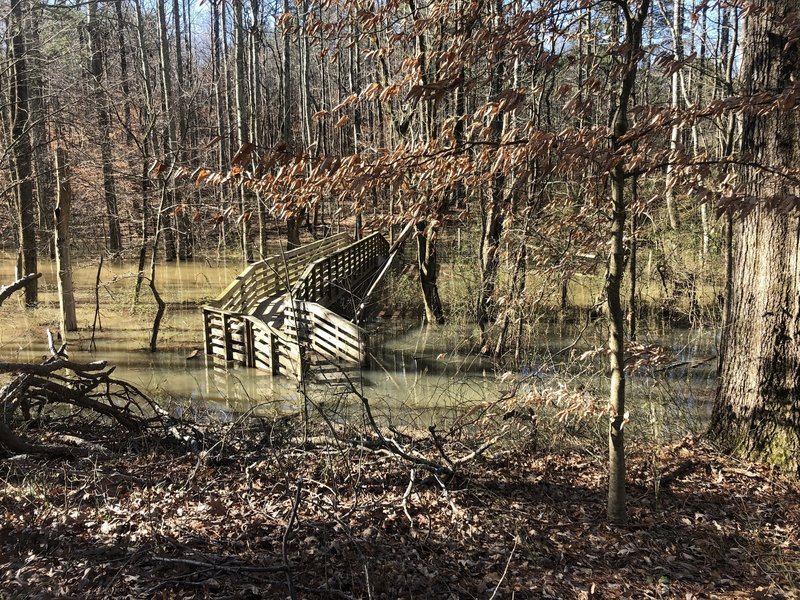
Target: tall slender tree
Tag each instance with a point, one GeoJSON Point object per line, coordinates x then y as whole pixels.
{"type": "Point", "coordinates": [96, 71]}
{"type": "Point", "coordinates": [21, 154]}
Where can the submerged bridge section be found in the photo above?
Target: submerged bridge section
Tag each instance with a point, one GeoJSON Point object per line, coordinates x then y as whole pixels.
{"type": "Point", "coordinates": [291, 312]}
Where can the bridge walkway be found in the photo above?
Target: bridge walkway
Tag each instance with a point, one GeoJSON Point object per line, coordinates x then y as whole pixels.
{"type": "Point", "coordinates": [292, 311]}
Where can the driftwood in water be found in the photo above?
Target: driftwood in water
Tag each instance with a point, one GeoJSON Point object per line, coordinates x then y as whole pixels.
{"type": "Point", "coordinates": [66, 391]}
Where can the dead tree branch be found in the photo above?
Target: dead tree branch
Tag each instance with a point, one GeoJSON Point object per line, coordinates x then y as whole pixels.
{"type": "Point", "coordinates": [7, 290]}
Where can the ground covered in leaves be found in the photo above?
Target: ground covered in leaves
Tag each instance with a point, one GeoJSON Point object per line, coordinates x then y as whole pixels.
{"type": "Point", "coordinates": [280, 522]}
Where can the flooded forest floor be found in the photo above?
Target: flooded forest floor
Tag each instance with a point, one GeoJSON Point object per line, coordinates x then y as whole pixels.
{"type": "Point", "coordinates": [252, 517]}
{"type": "Point", "coordinates": [254, 510]}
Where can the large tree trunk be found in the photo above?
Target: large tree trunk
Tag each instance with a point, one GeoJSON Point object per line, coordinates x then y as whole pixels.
{"type": "Point", "coordinates": [757, 412]}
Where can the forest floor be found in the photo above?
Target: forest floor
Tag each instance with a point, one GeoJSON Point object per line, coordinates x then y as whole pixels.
{"type": "Point", "coordinates": [278, 522]}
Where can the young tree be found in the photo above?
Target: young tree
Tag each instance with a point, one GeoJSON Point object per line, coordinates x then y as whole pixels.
{"type": "Point", "coordinates": [633, 24]}
{"type": "Point", "coordinates": [757, 411]}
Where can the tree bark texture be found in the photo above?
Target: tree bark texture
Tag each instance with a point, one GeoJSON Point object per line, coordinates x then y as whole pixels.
{"type": "Point", "coordinates": [104, 124]}
{"type": "Point", "coordinates": [428, 272]}
{"type": "Point", "coordinates": [66, 296]}
{"type": "Point", "coordinates": [22, 154]}
{"type": "Point", "coordinates": [757, 411]}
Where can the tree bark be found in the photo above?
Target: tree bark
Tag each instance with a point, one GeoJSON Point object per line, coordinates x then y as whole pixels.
{"type": "Point", "coordinates": [242, 131]}
{"type": "Point", "coordinates": [170, 137]}
{"type": "Point", "coordinates": [677, 52]}
{"type": "Point", "coordinates": [66, 296]}
{"type": "Point", "coordinates": [22, 154]}
{"type": "Point", "coordinates": [428, 272]}
{"type": "Point", "coordinates": [757, 410]}
{"type": "Point", "coordinates": [616, 269]}
{"type": "Point", "coordinates": [104, 125]}
{"type": "Point", "coordinates": [492, 210]}
{"type": "Point", "coordinates": [43, 164]}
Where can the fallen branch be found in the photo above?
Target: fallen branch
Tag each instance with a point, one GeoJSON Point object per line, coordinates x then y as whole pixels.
{"type": "Point", "coordinates": [7, 290]}
{"type": "Point", "coordinates": [55, 365]}
{"type": "Point", "coordinates": [219, 567]}
{"type": "Point", "coordinates": [90, 390]}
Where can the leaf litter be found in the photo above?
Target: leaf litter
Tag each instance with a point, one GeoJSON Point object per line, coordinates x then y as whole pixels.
{"type": "Point", "coordinates": [356, 524]}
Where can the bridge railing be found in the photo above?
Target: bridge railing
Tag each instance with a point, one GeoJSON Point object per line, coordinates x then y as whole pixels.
{"type": "Point", "coordinates": [268, 277]}
{"type": "Point", "coordinates": [327, 335]}
{"type": "Point", "coordinates": [339, 272]}
{"type": "Point", "coordinates": [310, 332]}
{"type": "Point", "coordinates": [249, 341]}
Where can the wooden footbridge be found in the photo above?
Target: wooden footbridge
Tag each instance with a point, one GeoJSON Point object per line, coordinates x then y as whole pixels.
{"type": "Point", "coordinates": [293, 311]}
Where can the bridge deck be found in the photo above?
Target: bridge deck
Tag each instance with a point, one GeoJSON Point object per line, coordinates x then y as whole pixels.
{"type": "Point", "coordinates": [277, 314]}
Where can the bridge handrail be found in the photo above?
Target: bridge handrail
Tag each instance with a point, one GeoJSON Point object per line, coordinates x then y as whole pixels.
{"type": "Point", "coordinates": [323, 276]}
{"type": "Point", "coordinates": [330, 335]}
{"type": "Point", "coordinates": [268, 276]}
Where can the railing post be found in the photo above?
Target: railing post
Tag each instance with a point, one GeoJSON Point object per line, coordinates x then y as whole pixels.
{"type": "Point", "coordinates": [274, 361]}
{"type": "Point", "coordinates": [227, 341]}
{"type": "Point", "coordinates": [249, 344]}
{"type": "Point", "coordinates": [207, 331]}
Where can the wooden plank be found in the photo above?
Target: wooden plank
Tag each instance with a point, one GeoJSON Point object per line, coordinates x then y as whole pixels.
{"type": "Point", "coordinates": [207, 338]}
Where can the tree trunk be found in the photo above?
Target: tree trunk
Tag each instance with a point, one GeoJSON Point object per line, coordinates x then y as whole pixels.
{"type": "Point", "coordinates": [104, 125]}
{"type": "Point", "coordinates": [632, 260]}
{"type": "Point", "coordinates": [492, 210]}
{"type": "Point", "coordinates": [428, 271]}
{"type": "Point", "coordinates": [66, 296]}
{"type": "Point", "coordinates": [170, 137]}
{"type": "Point", "coordinates": [123, 71]}
{"type": "Point", "coordinates": [677, 52]}
{"type": "Point", "coordinates": [757, 411]}
{"type": "Point", "coordinates": [22, 154]}
{"type": "Point", "coordinates": [616, 270]}
{"type": "Point", "coordinates": [183, 225]}
{"type": "Point", "coordinates": [242, 121]}
{"type": "Point", "coordinates": [43, 164]}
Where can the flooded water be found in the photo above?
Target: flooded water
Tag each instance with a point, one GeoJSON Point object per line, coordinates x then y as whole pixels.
{"type": "Point", "coordinates": [413, 370]}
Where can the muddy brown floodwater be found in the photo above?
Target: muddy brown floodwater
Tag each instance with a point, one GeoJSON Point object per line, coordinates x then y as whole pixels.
{"type": "Point", "coordinates": [415, 373]}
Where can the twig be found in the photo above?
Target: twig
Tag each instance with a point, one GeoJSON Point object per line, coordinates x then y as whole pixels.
{"type": "Point", "coordinates": [481, 449]}
{"type": "Point", "coordinates": [439, 446]}
{"type": "Point", "coordinates": [369, 585]}
{"type": "Point", "coordinates": [229, 568]}
{"type": "Point", "coordinates": [505, 571]}
{"type": "Point", "coordinates": [92, 343]}
{"type": "Point", "coordinates": [407, 493]}
{"type": "Point", "coordinates": [325, 592]}
{"type": "Point", "coordinates": [285, 541]}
